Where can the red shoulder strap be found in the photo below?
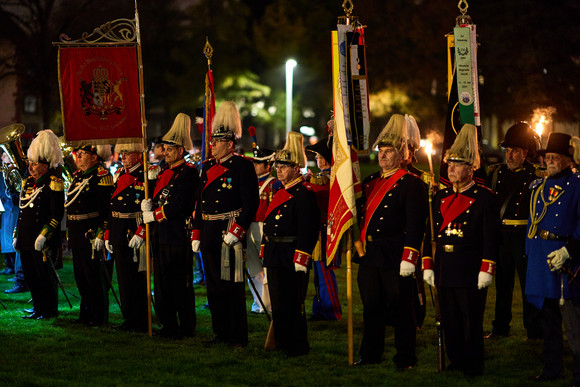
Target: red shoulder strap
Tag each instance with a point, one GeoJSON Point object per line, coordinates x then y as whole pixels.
{"type": "Point", "coordinates": [164, 179]}
{"type": "Point", "coordinates": [123, 182]}
{"type": "Point", "coordinates": [453, 206]}
{"type": "Point", "coordinates": [381, 188]}
{"type": "Point", "coordinates": [279, 198]}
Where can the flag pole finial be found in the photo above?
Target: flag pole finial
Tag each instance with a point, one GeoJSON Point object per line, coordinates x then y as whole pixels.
{"type": "Point", "coordinates": [208, 51]}
{"type": "Point", "coordinates": [463, 19]}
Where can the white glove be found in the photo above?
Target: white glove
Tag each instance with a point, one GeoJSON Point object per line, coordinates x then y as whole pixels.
{"type": "Point", "coordinates": [98, 244]}
{"type": "Point", "coordinates": [230, 239]}
{"type": "Point", "coordinates": [484, 280]}
{"type": "Point", "coordinates": [429, 277]}
{"type": "Point", "coordinates": [558, 257]}
{"type": "Point", "coordinates": [136, 242]}
{"type": "Point", "coordinates": [39, 242]}
{"type": "Point", "coordinates": [298, 267]}
{"type": "Point", "coordinates": [146, 205]}
{"type": "Point", "coordinates": [407, 269]}
{"type": "Point", "coordinates": [14, 243]}
{"type": "Point", "coordinates": [195, 245]}
{"type": "Point", "coordinates": [148, 216]}
{"type": "Point", "coordinates": [108, 246]}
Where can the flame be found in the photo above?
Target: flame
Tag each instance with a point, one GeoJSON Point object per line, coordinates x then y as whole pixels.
{"type": "Point", "coordinates": [540, 125]}
{"type": "Point", "coordinates": [428, 148]}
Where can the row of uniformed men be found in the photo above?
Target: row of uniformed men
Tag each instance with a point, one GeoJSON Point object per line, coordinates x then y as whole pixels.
{"type": "Point", "coordinates": [392, 215]}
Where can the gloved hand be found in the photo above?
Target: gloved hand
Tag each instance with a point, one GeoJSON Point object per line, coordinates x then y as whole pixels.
{"type": "Point", "coordinates": [146, 205]}
{"type": "Point", "coordinates": [429, 277]}
{"type": "Point", "coordinates": [299, 268]}
{"type": "Point", "coordinates": [39, 242]}
{"type": "Point", "coordinates": [108, 246]}
{"type": "Point", "coordinates": [484, 280]}
{"type": "Point", "coordinates": [195, 245]}
{"type": "Point", "coordinates": [558, 257]}
{"type": "Point", "coordinates": [136, 242]}
{"type": "Point", "coordinates": [407, 269]}
{"type": "Point", "coordinates": [148, 216]}
{"type": "Point", "coordinates": [230, 239]}
{"type": "Point", "coordinates": [98, 244]}
{"type": "Point", "coordinates": [14, 243]}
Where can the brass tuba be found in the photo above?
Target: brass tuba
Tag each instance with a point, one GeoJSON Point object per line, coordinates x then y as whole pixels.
{"type": "Point", "coordinates": [11, 145]}
{"type": "Point", "coordinates": [69, 167]}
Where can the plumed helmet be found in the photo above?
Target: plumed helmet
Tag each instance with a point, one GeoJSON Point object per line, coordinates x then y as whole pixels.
{"type": "Point", "coordinates": [558, 143]}
{"type": "Point", "coordinates": [323, 148]}
{"type": "Point", "coordinates": [413, 133]}
{"type": "Point", "coordinates": [261, 155]}
{"type": "Point", "coordinates": [129, 147]}
{"type": "Point", "coordinates": [465, 148]}
{"type": "Point", "coordinates": [519, 135]}
{"type": "Point", "coordinates": [45, 148]}
{"type": "Point", "coordinates": [180, 132]}
{"type": "Point", "coordinates": [394, 134]}
{"type": "Point", "coordinates": [226, 123]}
{"type": "Point", "coordinates": [575, 142]}
{"type": "Point", "coordinates": [293, 152]}
{"type": "Point", "coordinates": [103, 152]}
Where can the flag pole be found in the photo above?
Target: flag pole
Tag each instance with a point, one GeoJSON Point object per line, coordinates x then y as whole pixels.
{"type": "Point", "coordinates": [209, 101]}
{"type": "Point", "coordinates": [145, 168]}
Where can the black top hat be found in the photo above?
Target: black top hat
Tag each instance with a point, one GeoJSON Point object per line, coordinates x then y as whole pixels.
{"type": "Point", "coordinates": [323, 148]}
{"type": "Point", "coordinates": [558, 143]}
{"type": "Point", "coordinates": [519, 135]}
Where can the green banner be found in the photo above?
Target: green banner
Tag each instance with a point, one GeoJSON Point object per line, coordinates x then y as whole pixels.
{"type": "Point", "coordinates": [466, 70]}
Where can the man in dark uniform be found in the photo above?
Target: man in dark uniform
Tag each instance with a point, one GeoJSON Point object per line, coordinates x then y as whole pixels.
{"type": "Point", "coordinates": [126, 235]}
{"type": "Point", "coordinates": [553, 249]}
{"type": "Point", "coordinates": [170, 209]}
{"type": "Point", "coordinates": [510, 182]}
{"type": "Point", "coordinates": [392, 214]}
{"type": "Point", "coordinates": [227, 203]}
{"type": "Point", "coordinates": [466, 223]}
{"type": "Point", "coordinates": [290, 234]}
{"type": "Point", "coordinates": [38, 227]}
{"type": "Point", "coordinates": [325, 305]}
{"type": "Point", "coordinates": [87, 207]}
{"type": "Point", "coordinates": [262, 160]}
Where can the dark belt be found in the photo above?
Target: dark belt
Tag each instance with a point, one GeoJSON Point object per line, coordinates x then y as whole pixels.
{"type": "Point", "coordinates": [280, 239]}
{"type": "Point", "coordinates": [454, 248]}
{"type": "Point", "coordinates": [550, 236]}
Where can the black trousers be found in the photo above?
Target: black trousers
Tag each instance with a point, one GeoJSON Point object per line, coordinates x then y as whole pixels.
{"type": "Point", "coordinates": [512, 258]}
{"type": "Point", "coordinates": [462, 320]}
{"type": "Point", "coordinates": [132, 288]}
{"type": "Point", "coordinates": [226, 299]}
{"type": "Point", "coordinates": [41, 282]}
{"type": "Point", "coordinates": [388, 299]}
{"type": "Point", "coordinates": [287, 295]}
{"type": "Point", "coordinates": [91, 277]}
{"type": "Point", "coordinates": [174, 294]}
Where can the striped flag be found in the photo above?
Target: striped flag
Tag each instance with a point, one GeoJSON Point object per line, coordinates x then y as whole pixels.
{"type": "Point", "coordinates": [345, 171]}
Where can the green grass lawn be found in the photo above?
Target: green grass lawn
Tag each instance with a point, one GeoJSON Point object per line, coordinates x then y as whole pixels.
{"type": "Point", "coordinates": [61, 352]}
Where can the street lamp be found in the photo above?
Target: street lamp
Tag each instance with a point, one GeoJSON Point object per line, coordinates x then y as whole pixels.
{"type": "Point", "coordinates": [290, 64]}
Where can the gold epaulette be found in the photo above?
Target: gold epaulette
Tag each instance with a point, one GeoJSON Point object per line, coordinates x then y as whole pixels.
{"type": "Point", "coordinates": [106, 180]}
{"type": "Point", "coordinates": [56, 184]}
{"type": "Point", "coordinates": [540, 171]}
{"type": "Point", "coordinates": [319, 180]}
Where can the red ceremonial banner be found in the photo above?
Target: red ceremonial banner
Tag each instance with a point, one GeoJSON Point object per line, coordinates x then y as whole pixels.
{"type": "Point", "coordinates": [99, 91]}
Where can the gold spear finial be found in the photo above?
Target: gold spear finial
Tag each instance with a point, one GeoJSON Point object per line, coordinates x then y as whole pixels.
{"type": "Point", "coordinates": [463, 19]}
{"type": "Point", "coordinates": [462, 5]}
{"type": "Point", "coordinates": [208, 51]}
{"type": "Point", "coordinates": [348, 6]}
